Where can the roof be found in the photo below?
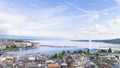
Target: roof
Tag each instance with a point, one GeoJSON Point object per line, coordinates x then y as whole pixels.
{"type": "Point", "coordinates": [64, 64]}
{"type": "Point", "coordinates": [30, 64]}
{"type": "Point", "coordinates": [53, 65]}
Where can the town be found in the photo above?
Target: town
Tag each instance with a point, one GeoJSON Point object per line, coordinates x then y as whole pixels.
{"type": "Point", "coordinates": [17, 44]}
{"type": "Point", "coordinates": [64, 59]}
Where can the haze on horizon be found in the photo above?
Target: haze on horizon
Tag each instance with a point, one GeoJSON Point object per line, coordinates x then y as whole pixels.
{"type": "Point", "coordinates": [66, 19]}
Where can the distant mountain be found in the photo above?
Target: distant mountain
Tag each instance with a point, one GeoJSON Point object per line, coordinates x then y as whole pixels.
{"type": "Point", "coordinates": [112, 41]}
{"type": "Point", "coordinates": [80, 40]}
{"type": "Point", "coordinates": [3, 36]}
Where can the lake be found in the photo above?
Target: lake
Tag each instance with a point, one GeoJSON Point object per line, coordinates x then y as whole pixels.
{"type": "Point", "coordinates": [72, 46]}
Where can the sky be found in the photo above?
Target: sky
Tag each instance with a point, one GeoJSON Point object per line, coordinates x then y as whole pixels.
{"type": "Point", "coordinates": [65, 19]}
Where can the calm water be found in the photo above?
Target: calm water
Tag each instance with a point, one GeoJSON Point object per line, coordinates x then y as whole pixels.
{"type": "Point", "coordinates": [78, 46]}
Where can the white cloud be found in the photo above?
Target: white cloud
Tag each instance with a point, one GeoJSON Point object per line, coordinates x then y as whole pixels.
{"type": "Point", "coordinates": [110, 29]}
{"type": "Point", "coordinates": [36, 24]}
{"type": "Point", "coordinates": [92, 17]}
{"type": "Point", "coordinates": [11, 18]}
{"type": "Point", "coordinates": [118, 1]}
{"type": "Point", "coordinates": [40, 22]}
{"type": "Point", "coordinates": [107, 30]}
{"type": "Point", "coordinates": [2, 4]}
{"type": "Point", "coordinates": [44, 22]}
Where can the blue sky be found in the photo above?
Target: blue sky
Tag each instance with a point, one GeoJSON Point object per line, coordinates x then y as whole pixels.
{"type": "Point", "coordinates": [66, 19]}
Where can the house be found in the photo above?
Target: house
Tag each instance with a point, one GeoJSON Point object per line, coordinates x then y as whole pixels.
{"type": "Point", "coordinates": [76, 64]}
{"type": "Point", "coordinates": [2, 64]}
{"type": "Point", "coordinates": [68, 59]}
{"type": "Point", "coordinates": [3, 57]}
{"type": "Point", "coordinates": [40, 59]}
{"type": "Point", "coordinates": [19, 65]}
{"type": "Point", "coordinates": [54, 65]}
{"type": "Point", "coordinates": [90, 64]}
{"type": "Point", "coordinates": [31, 65]}
{"type": "Point", "coordinates": [107, 57]}
{"type": "Point", "coordinates": [35, 45]}
{"type": "Point", "coordinates": [59, 61]}
{"type": "Point", "coordinates": [49, 61]}
{"type": "Point", "coordinates": [3, 46]}
{"type": "Point", "coordinates": [31, 58]}
{"type": "Point", "coordinates": [117, 56]}
{"type": "Point", "coordinates": [41, 66]}
{"type": "Point", "coordinates": [24, 59]}
{"type": "Point", "coordinates": [64, 65]}
{"type": "Point", "coordinates": [72, 65]}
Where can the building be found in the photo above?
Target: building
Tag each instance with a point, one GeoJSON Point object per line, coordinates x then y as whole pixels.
{"type": "Point", "coordinates": [3, 46]}
{"type": "Point", "coordinates": [64, 65]}
{"type": "Point", "coordinates": [35, 45]}
{"type": "Point", "coordinates": [72, 65]}
{"type": "Point", "coordinates": [41, 59]}
{"type": "Point", "coordinates": [31, 65]}
{"type": "Point", "coordinates": [107, 57]}
{"type": "Point", "coordinates": [53, 65]}
{"type": "Point", "coordinates": [31, 58]}
{"type": "Point", "coordinates": [23, 44]}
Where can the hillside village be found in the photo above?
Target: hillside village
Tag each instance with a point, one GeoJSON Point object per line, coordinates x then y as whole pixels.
{"type": "Point", "coordinates": [64, 59]}
{"type": "Point", "coordinates": [17, 44]}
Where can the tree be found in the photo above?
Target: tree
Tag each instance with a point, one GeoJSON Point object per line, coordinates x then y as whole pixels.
{"type": "Point", "coordinates": [88, 51]}
{"type": "Point", "coordinates": [109, 50]}
{"type": "Point", "coordinates": [80, 51]}
{"type": "Point", "coordinates": [55, 56]}
{"type": "Point", "coordinates": [102, 51]}
{"type": "Point", "coordinates": [68, 52]}
{"type": "Point", "coordinates": [7, 47]}
{"type": "Point", "coordinates": [63, 52]}
{"type": "Point", "coordinates": [60, 55]}
{"type": "Point", "coordinates": [74, 52]}
{"type": "Point", "coordinates": [13, 46]}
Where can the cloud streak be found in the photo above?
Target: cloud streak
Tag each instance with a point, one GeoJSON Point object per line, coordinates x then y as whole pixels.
{"type": "Point", "coordinates": [59, 22]}
{"type": "Point", "coordinates": [71, 4]}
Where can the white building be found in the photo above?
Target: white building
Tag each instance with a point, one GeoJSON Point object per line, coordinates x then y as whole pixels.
{"type": "Point", "coordinates": [3, 46]}
{"type": "Point", "coordinates": [35, 45]}
{"type": "Point", "coordinates": [23, 44]}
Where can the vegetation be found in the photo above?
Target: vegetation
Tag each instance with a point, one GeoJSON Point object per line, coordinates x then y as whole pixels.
{"type": "Point", "coordinates": [7, 47]}
{"type": "Point", "coordinates": [102, 51]}
{"type": "Point", "coordinates": [113, 41]}
{"type": "Point", "coordinates": [88, 51]}
{"type": "Point", "coordinates": [68, 52]}
{"type": "Point", "coordinates": [109, 50]}
{"type": "Point", "coordinates": [117, 52]}
{"type": "Point", "coordinates": [80, 51]}
{"type": "Point", "coordinates": [74, 52]}
{"type": "Point", "coordinates": [59, 55]}
{"type": "Point", "coordinates": [56, 56]}
{"type": "Point", "coordinates": [11, 47]}
{"type": "Point", "coordinates": [63, 52]}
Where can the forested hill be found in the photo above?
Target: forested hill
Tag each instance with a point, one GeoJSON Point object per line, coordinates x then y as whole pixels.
{"type": "Point", "coordinates": [112, 41]}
